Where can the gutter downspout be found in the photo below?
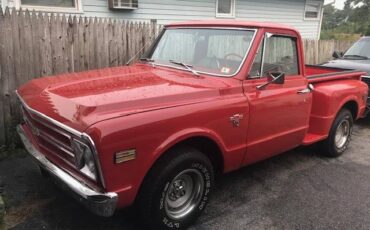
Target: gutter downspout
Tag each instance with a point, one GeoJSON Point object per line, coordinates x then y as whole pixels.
{"type": "Point", "coordinates": [320, 25]}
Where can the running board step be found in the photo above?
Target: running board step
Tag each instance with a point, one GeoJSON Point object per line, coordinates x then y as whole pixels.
{"type": "Point", "coordinates": [312, 138]}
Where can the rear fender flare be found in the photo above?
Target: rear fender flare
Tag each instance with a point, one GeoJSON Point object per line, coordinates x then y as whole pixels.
{"type": "Point", "coordinates": [345, 101]}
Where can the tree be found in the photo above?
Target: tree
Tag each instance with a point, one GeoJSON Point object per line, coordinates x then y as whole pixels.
{"type": "Point", "coordinates": [353, 19]}
{"type": "Point", "coordinates": [362, 13]}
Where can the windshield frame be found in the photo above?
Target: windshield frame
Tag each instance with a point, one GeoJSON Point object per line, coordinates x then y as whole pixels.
{"type": "Point", "coordinates": [154, 46]}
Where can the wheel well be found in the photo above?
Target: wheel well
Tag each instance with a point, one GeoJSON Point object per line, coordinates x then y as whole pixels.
{"type": "Point", "coordinates": [207, 146]}
{"type": "Point", "coordinates": [352, 107]}
{"type": "Point", "coordinates": [204, 144]}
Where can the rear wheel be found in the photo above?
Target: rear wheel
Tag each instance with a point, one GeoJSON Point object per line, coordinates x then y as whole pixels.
{"type": "Point", "coordinates": [340, 135]}
{"type": "Point", "coordinates": [177, 190]}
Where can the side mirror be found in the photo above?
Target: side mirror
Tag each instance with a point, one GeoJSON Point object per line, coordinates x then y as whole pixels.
{"type": "Point", "coordinates": [273, 78]}
{"type": "Point", "coordinates": [276, 78]}
{"type": "Point", "coordinates": [337, 54]}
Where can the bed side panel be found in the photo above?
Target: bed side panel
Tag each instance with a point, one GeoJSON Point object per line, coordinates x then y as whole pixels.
{"type": "Point", "coordinates": [329, 97]}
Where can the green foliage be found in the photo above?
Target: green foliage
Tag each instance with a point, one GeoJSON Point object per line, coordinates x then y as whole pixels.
{"type": "Point", "coordinates": [353, 20]}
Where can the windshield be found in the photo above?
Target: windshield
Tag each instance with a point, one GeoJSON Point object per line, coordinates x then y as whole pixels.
{"type": "Point", "coordinates": [359, 49]}
{"type": "Point", "coordinates": [211, 51]}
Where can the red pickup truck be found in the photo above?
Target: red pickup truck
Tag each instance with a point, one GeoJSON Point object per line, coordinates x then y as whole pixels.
{"type": "Point", "coordinates": [209, 97]}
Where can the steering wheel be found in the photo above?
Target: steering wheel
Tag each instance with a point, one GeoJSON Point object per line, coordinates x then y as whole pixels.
{"type": "Point", "coordinates": [233, 54]}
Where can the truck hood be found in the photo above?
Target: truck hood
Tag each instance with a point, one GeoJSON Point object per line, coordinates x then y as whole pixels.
{"type": "Point", "coordinates": [79, 100]}
{"type": "Point", "coordinates": [362, 65]}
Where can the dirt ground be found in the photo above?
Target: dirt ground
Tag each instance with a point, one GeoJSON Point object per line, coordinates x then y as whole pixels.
{"type": "Point", "coordinates": [296, 190]}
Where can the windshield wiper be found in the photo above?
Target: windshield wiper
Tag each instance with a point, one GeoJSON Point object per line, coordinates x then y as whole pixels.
{"type": "Point", "coordinates": [356, 56]}
{"type": "Point", "coordinates": [187, 66]}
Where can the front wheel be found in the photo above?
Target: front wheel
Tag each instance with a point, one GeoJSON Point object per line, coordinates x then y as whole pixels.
{"type": "Point", "coordinates": [340, 135]}
{"type": "Point", "coordinates": [177, 189]}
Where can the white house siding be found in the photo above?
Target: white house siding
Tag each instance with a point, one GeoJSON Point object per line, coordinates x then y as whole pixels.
{"type": "Point", "coordinates": [282, 11]}
{"type": "Point", "coordinates": [166, 11]}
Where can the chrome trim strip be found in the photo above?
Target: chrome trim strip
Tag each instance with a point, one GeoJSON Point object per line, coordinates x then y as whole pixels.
{"type": "Point", "coordinates": [95, 154]}
{"type": "Point", "coordinates": [42, 123]}
{"type": "Point", "coordinates": [57, 155]}
{"type": "Point", "coordinates": [54, 129]}
{"type": "Point", "coordinates": [77, 133]}
{"type": "Point", "coordinates": [51, 140]}
{"type": "Point", "coordinates": [57, 123]}
{"type": "Point", "coordinates": [216, 28]}
{"type": "Point", "coordinates": [263, 55]}
{"type": "Point", "coordinates": [104, 204]}
{"type": "Point", "coordinates": [209, 27]}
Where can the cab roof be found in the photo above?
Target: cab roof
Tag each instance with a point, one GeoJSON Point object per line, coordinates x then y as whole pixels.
{"type": "Point", "coordinates": [232, 23]}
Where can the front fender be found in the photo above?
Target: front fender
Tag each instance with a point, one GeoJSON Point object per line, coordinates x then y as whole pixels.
{"type": "Point", "coordinates": [152, 134]}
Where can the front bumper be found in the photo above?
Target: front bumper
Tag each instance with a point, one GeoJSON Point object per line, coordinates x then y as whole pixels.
{"type": "Point", "coordinates": [102, 204]}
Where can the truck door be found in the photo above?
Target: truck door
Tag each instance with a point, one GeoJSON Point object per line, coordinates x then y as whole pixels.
{"type": "Point", "coordinates": [279, 113]}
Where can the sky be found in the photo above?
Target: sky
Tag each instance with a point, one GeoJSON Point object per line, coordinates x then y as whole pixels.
{"type": "Point", "coordinates": [338, 3]}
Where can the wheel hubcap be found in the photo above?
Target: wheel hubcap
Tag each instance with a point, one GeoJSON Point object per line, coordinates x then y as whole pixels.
{"type": "Point", "coordinates": [342, 134]}
{"type": "Point", "coordinates": [184, 193]}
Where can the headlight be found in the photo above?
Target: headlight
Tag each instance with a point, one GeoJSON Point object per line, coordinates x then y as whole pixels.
{"type": "Point", "coordinates": [84, 159]}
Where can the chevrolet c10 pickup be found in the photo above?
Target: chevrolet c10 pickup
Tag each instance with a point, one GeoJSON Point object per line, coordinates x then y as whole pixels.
{"type": "Point", "coordinates": [208, 97]}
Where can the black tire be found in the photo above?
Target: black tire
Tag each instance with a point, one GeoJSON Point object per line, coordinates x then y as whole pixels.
{"type": "Point", "coordinates": [153, 197]}
{"type": "Point", "coordinates": [329, 147]}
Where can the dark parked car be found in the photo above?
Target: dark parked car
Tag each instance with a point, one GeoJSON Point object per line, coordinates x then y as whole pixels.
{"type": "Point", "coordinates": [357, 57]}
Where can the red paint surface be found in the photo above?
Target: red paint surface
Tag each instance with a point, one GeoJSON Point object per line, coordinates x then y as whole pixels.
{"type": "Point", "coordinates": [153, 108]}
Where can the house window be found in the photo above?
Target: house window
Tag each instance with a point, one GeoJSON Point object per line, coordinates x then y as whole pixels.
{"type": "Point", "coordinates": [50, 6]}
{"type": "Point", "coordinates": [123, 4]}
{"type": "Point", "coordinates": [55, 3]}
{"type": "Point", "coordinates": [225, 8]}
{"type": "Point", "coordinates": [312, 10]}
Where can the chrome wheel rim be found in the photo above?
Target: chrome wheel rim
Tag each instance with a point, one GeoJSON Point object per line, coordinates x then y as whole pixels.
{"type": "Point", "coordinates": [342, 134]}
{"type": "Point", "coordinates": [184, 193]}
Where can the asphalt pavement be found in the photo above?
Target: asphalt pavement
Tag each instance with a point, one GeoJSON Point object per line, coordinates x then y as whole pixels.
{"type": "Point", "coordinates": [296, 190]}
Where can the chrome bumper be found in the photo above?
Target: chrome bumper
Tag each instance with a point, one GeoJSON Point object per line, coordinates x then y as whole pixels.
{"type": "Point", "coordinates": [102, 204]}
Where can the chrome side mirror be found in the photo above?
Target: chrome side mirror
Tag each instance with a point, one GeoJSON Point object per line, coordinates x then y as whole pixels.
{"type": "Point", "coordinates": [273, 78]}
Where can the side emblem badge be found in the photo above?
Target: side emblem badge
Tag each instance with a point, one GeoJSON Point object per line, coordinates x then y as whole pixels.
{"type": "Point", "coordinates": [235, 119]}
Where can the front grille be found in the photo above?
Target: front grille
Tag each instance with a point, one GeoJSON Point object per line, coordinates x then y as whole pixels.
{"type": "Point", "coordinates": [50, 139]}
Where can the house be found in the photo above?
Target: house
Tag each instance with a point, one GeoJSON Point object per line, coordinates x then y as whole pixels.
{"type": "Point", "coordinates": [305, 15]}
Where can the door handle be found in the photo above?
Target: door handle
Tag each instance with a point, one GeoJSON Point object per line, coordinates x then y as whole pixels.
{"type": "Point", "coordinates": [309, 89]}
{"type": "Point", "coordinates": [303, 91]}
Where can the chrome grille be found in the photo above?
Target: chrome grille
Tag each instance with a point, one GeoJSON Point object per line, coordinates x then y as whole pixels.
{"type": "Point", "coordinates": [49, 138]}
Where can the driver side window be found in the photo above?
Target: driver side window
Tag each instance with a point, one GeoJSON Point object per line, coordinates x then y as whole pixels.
{"type": "Point", "coordinates": [276, 54]}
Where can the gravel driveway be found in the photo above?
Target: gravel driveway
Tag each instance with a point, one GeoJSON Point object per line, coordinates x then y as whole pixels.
{"type": "Point", "coordinates": [296, 190]}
